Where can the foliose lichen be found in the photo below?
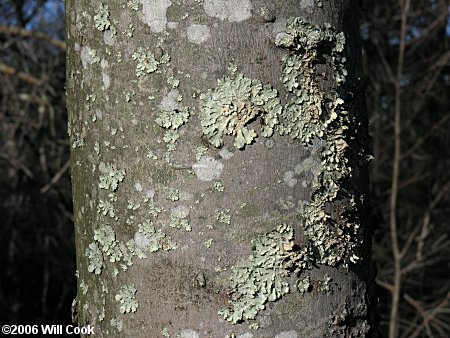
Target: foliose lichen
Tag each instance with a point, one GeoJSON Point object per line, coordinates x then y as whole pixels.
{"type": "Point", "coordinates": [173, 119]}
{"type": "Point", "coordinates": [314, 113]}
{"type": "Point", "coordinates": [147, 62]}
{"type": "Point", "coordinates": [262, 278]}
{"type": "Point", "coordinates": [101, 19]}
{"type": "Point", "coordinates": [157, 238]}
{"type": "Point", "coordinates": [95, 258]}
{"type": "Point", "coordinates": [111, 176]}
{"type": "Point", "coordinates": [127, 299]}
{"type": "Point", "coordinates": [117, 323]}
{"type": "Point", "coordinates": [237, 101]}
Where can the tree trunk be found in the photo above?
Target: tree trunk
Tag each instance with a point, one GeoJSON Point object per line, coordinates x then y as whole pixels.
{"type": "Point", "coordinates": [219, 168]}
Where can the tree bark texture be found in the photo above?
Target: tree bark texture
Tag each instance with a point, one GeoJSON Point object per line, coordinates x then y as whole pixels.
{"type": "Point", "coordinates": [219, 168]}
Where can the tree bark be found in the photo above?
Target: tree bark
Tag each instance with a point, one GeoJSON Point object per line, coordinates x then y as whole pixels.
{"type": "Point", "coordinates": [219, 168]}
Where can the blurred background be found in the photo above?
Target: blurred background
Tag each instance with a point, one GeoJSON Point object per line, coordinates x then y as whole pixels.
{"type": "Point", "coordinates": [406, 63]}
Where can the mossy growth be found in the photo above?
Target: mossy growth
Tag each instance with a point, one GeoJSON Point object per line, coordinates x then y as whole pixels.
{"type": "Point", "coordinates": [229, 108]}
{"type": "Point", "coordinates": [262, 279]}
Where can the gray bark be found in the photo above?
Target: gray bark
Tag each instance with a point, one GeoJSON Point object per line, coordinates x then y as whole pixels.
{"type": "Point", "coordinates": [201, 209]}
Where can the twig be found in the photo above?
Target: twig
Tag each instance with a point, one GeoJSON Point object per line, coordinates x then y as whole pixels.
{"type": "Point", "coordinates": [55, 178]}
{"type": "Point", "coordinates": [30, 79]}
{"type": "Point", "coordinates": [393, 321]}
{"type": "Point", "coordinates": [37, 35]}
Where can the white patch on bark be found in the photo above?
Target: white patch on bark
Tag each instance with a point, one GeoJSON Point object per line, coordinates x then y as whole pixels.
{"type": "Point", "coordinates": [138, 187]}
{"type": "Point", "coordinates": [86, 58]}
{"type": "Point", "coordinates": [189, 334]}
{"type": "Point", "coordinates": [170, 102]}
{"type": "Point", "coordinates": [150, 193]}
{"type": "Point", "coordinates": [99, 114]}
{"type": "Point", "coordinates": [198, 33]}
{"type": "Point", "coordinates": [154, 14]}
{"type": "Point", "coordinates": [245, 335]}
{"type": "Point", "coordinates": [180, 212]}
{"type": "Point", "coordinates": [172, 25]}
{"type": "Point", "coordinates": [287, 334]}
{"type": "Point", "coordinates": [231, 10]}
{"type": "Point", "coordinates": [109, 37]}
{"type": "Point", "coordinates": [225, 153]}
{"type": "Point", "coordinates": [106, 80]}
{"type": "Point", "coordinates": [306, 3]}
{"type": "Point", "coordinates": [208, 169]}
{"type": "Point", "coordinates": [141, 240]}
{"type": "Point", "coordinates": [289, 178]}
{"type": "Point", "coordinates": [77, 46]}
{"type": "Point", "coordinates": [105, 77]}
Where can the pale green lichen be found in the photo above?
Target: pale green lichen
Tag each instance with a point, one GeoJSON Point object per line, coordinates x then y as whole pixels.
{"type": "Point", "coordinates": [129, 31]}
{"type": "Point", "coordinates": [133, 205]}
{"type": "Point", "coordinates": [101, 19]}
{"type": "Point", "coordinates": [303, 285]}
{"type": "Point", "coordinates": [133, 5]}
{"type": "Point", "coordinates": [111, 176]}
{"type": "Point", "coordinates": [262, 278]}
{"type": "Point", "coordinates": [95, 258]}
{"type": "Point", "coordinates": [158, 240]}
{"type": "Point", "coordinates": [173, 119]}
{"type": "Point", "coordinates": [172, 194]}
{"type": "Point", "coordinates": [316, 113]}
{"type": "Point", "coordinates": [127, 299]}
{"type": "Point", "coordinates": [180, 223]}
{"type": "Point", "coordinates": [84, 287]}
{"type": "Point", "coordinates": [200, 151]}
{"type": "Point", "coordinates": [325, 285]}
{"type": "Point", "coordinates": [208, 243]}
{"type": "Point", "coordinates": [172, 81]}
{"type": "Point", "coordinates": [236, 102]}
{"type": "Point", "coordinates": [117, 323]}
{"type": "Point", "coordinates": [106, 245]}
{"type": "Point", "coordinates": [218, 186]}
{"type": "Point", "coordinates": [147, 62]}
{"type": "Point", "coordinates": [106, 208]}
{"type": "Point", "coordinates": [223, 216]}
{"type": "Point", "coordinates": [106, 237]}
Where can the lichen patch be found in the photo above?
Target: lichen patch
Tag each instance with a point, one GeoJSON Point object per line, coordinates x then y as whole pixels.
{"type": "Point", "coordinates": [233, 105]}
{"type": "Point", "coordinates": [287, 334]}
{"type": "Point", "coordinates": [188, 334]}
{"type": "Point", "coordinates": [154, 14]}
{"type": "Point", "coordinates": [208, 168]}
{"type": "Point", "coordinates": [198, 34]}
{"type": "Point", "coordinates": [231, 10]}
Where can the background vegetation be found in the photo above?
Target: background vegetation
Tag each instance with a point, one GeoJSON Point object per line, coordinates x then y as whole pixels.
{"type": "Point", "coordinates": [406, 61]}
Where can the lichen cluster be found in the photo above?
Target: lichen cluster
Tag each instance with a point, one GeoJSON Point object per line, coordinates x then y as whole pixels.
{"type": "Point", "coordinates": [127, 299]}
{"type": "Point", "coordinates": [237, 101]}
{"type": "Point", "coordinates": [106, 246]}
{"type": "Point", "coordinates": [147, 62]}
{"type": "Point", "coordinates": [158, 240]}
{"type": "Point", "coordinates": [317, 112]}
{"type": "Point", "coordinates": [110, 176]}
{"type": "Point", "coordinates": [262, 278]}
{"type": "Point", "coordinates": [101, 19]}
